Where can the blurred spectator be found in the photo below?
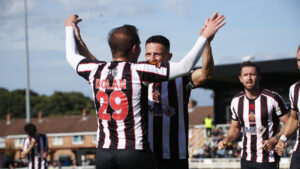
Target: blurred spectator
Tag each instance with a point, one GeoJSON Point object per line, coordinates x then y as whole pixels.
{"type": "Point", "coordinates": [35, 147]}
{"type": "Point", "coordinates": [206, 151]}
{"type": "Point", "coordinates": [210, 150]}
{"type": "Point", "coordinates": [220, 153]}
{"type": "Point", "coordinates": [208, 121]}
{"type": "Point", "coordinates": [233, 150]}
{"type": "Point", "coordinates": [199, 153]}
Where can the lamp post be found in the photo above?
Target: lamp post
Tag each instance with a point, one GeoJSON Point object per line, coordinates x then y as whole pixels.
{"type": "Point", "coordinates": [27, 67]}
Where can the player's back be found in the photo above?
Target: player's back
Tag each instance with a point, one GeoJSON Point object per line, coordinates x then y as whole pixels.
{"type": "Point", "coordinates": [120, 97]}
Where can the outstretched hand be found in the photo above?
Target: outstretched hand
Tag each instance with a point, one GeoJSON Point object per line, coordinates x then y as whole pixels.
{"type": "Point", "coordinates": [212, 25]}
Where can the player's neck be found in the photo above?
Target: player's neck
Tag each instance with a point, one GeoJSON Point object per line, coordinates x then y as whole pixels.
{"type": "Point", "coordinates": [120, 59]}
{"type": "Point", "coordinates": [253, 93]}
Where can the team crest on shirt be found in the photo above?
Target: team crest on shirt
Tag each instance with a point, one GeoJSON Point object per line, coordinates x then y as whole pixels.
{"type": "Point", "coordinates": [157, 64]}
{"type": "Point", "coordinates": [251, 117]}
{"type": "Point", "coordinates": [252, 114]}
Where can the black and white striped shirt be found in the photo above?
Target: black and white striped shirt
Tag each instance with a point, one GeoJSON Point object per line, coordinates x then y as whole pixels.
{"type": "Point", "coordinates": [120, 97]}
{"type": "Point", "coordinates": [168, 118]}
{"type": "Point", "coordinates": [35, 156]}
{"type": "Point", "coordinates": [259, 120]}
{"type": "Point", "coordinates": [295, 104]}
{"type": "Point", "coordinates": [120, 92]}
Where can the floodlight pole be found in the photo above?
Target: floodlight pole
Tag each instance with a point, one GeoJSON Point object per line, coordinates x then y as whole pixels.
{"type": "Point", "coordinates": [27, 67]}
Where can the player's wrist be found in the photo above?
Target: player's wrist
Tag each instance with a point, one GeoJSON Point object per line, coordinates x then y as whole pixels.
{"type": "Point", "coordinates": [225, 142]}
{"type": "Point", "coordinates": [283, 138]}
{"type": "Point", "coordinates": [204, 36]}
{"type": "Point", "coordinates": [79, 40]}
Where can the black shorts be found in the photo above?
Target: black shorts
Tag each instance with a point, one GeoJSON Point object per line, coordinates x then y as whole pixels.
{"type": "Point", "coordinates": [295, 161]}
{"type": "Point", "coordinates": [124, 158]}
{"type": "Point", "coordinates": [172, 163]}
{"type": "Point", "coordinates": [254, 165]}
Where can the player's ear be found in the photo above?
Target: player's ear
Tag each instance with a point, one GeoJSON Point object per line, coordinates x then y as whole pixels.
{"type": "Point", "coordinates": [169, 56]}
{"type": "Point", "coordinates": [240, 78]}
{"type": "Point", "coordinates": [135, 49]}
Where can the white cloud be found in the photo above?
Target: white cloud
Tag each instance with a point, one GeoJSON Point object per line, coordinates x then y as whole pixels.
{"type": "Point", "coordinates": [10, 8]}
{"type": "Point", "coordinates": [176, 6]}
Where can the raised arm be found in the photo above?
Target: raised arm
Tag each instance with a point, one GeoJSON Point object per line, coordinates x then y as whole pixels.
{"type": "Point", "coordinates": [81, 47]}
{"type": "Point", "coordinates": [190, 60]}
{"type": "Point", "coordinates": [201, 75]}
{"type": "Point", "coordinates": [73, 57]}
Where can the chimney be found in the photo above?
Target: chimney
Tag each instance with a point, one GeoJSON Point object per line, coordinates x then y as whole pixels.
{"type": "Point", "coordinates": [85, 114]}
{"type": "Point", "coordinates": [192, 105]}
{"type": "Point", "coordinates": [40, 116]}
{"type": "Point", "coordinates": [8, 118]}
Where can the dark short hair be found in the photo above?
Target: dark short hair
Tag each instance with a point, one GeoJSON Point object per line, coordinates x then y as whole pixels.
{"type": "Point", "coordinates": [161, 40]}
{"type": "Point", "coordinates": [30, 129]}
{"type": "Point", "coordinates": [250, 64]}
{"type": "Point", "coordinates": [298, 49]}
{"type": "Point", "coordinates": [122, 39]}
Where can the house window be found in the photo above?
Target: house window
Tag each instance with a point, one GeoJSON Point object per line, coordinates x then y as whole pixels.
{"type": "Point", "coordinates": [57, 140]}
{"type": "Point", "coordinates": [77, 139]}
{"type": "Point", "coordinates": [94, 139]}
{"type": "Point", "coordinates": [19, 142]}
{"type": "Point", "coordinates": [2, 142]}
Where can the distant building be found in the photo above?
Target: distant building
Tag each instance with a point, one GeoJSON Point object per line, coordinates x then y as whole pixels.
{"type": "Point", "coordinates": [196, 117]}
{"type": "Point", "coordinates": [69, 137]}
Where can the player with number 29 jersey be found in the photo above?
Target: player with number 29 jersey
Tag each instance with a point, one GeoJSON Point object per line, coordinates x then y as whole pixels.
{"type": "Point", "coordinates": [116, 85]}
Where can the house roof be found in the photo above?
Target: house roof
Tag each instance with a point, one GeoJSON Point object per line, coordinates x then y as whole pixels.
{"type": "Point", "coordinates": [197, 116]}
{"type": "Point", "coordinates": [74, 124]}
{"type": "Point", "coordinates": [62, 124]}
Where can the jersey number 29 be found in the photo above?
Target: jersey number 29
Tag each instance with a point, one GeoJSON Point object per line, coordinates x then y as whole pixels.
{"type": "Point", "coordinates": [117, 100]}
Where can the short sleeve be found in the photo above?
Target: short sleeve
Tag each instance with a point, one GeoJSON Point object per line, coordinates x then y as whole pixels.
{"type": "Point", "coordinates": [280, 106]}
{"type": "Point", "coordinates": [25, 144]}
{"type": "Point", "coordinates": [86, 67]}
{"type": "Point", "coordinates": [233, 112]}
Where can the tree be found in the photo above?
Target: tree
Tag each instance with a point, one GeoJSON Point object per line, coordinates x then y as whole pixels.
{"type": "Point", "coordinates": [58, 104]}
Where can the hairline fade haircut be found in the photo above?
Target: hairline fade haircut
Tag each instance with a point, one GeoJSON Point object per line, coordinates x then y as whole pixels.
{"type": "Point", "coordinates": [250, 64]}
{"type": "Point", "coordinates": [161, 40]}
{"type": "Point", "coordinates": [122, 39]}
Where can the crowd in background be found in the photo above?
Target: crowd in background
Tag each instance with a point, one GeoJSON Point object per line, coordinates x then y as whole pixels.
{"type": "Point", "coordinates": [210, 147]}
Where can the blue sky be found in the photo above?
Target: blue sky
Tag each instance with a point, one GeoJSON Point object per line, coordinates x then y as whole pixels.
{"type": "Point", "coordinates": [268, 30]}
